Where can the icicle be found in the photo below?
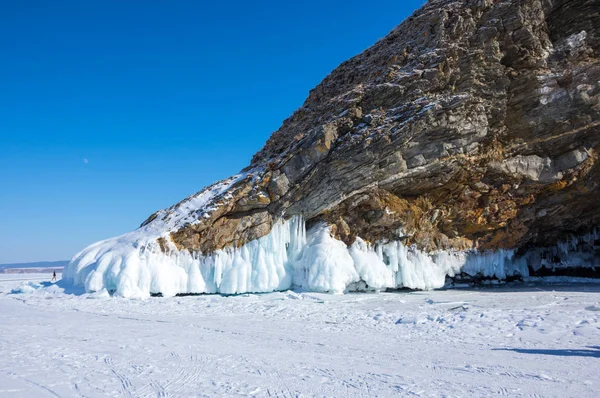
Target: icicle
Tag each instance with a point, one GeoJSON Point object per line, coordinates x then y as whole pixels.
{"type": "Point", "coordinates": [133, 265]}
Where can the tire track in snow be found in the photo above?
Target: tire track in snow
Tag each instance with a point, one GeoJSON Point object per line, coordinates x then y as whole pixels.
{"type": "Point", "coordinates": [158, 389]}
{"type": "Point", "coordinates": [181, 375]}
{"type": "Point", "coordinates": [125, 383]}
{"type": "Point", "coordinates": [186, 381]}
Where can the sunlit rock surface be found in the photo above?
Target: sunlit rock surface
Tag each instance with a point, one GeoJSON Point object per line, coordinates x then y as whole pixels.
{"type": "Point", "coordinates": [464, 142]}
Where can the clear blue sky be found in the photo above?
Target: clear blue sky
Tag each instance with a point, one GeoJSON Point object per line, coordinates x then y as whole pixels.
{"type": "Point", "coordinates": [113, 109]}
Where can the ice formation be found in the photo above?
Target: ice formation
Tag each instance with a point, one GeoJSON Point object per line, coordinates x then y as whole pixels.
{"type": "Point", "coordinates": [133, 265]}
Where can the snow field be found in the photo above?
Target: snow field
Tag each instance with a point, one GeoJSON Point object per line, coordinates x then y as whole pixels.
{"type": "Point", "coordinates": [528, 339]}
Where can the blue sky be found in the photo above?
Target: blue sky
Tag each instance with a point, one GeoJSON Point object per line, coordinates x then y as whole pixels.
{"type": "Point", "coordinates": [113, 109]}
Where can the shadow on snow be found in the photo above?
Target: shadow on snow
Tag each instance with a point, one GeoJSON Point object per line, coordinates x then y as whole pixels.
{"type": "Point", "coordinates": [68, 288]}
{"type": "Point", "coordinates": [590, 351]}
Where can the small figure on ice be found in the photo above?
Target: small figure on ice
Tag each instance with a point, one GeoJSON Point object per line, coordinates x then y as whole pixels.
{"type": "Point", "coordinates": [53, 276]}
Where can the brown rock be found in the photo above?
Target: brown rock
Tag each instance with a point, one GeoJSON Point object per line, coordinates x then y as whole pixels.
{"type": "Point", "coordinates": [472, 124]}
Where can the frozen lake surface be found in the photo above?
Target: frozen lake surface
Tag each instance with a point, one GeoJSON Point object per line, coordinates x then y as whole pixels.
{"type": "Point", "coordinates": [524, 340]}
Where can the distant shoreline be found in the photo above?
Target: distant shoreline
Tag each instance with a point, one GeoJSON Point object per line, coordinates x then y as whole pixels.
{"type": "Point", "coordinates": [36, 264]}
{"type": "Point", "coordinates": [31, 268]}
{"type": "Point", "coordinates": [41, 270]}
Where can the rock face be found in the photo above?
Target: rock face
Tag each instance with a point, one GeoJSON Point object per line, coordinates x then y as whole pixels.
{"type": "Point", "coordinates": [474, 125]}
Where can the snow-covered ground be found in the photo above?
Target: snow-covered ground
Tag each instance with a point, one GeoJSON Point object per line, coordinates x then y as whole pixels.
{"type": "Point", "coordinates": [523, 340]}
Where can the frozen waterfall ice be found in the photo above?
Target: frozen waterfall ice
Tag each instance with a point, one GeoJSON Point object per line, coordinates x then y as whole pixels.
{"type": "Point", "coordinates": [133, 265]}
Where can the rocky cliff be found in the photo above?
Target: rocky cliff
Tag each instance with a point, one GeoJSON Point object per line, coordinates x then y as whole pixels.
{"type": "Point", "coordinates": [472, 126]}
